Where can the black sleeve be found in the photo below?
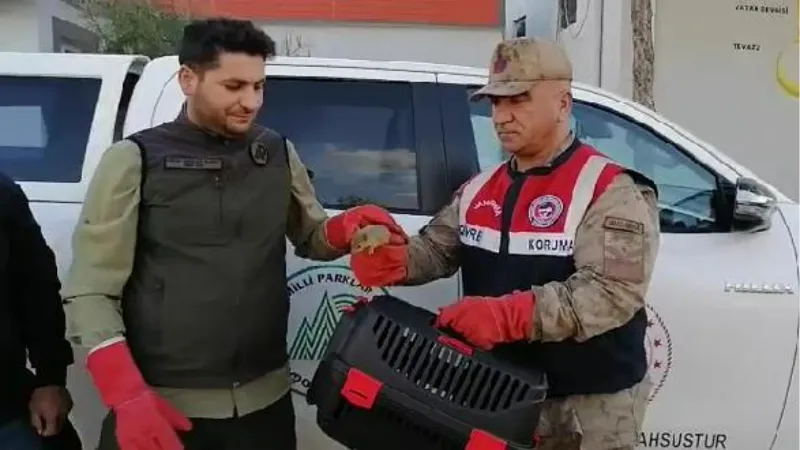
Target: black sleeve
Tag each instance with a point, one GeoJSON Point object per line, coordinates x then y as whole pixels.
{"type": "Point", "coordinates": [35, 289]}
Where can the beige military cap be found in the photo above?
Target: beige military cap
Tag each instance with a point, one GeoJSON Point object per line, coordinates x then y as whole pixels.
{"type": "Point", "coordinates": [517, 64]}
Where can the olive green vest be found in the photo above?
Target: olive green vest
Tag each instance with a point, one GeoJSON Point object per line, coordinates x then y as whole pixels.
{"type": "Point", "coordinates": [206, 305]}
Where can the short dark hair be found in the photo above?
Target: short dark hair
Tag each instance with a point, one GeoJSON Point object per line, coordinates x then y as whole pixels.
{"type": "Point", "coordinates": [204, 40]}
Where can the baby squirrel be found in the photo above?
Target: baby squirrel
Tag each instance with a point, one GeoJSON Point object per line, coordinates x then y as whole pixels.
{"type": "Point", "coordinates": [370, 238]}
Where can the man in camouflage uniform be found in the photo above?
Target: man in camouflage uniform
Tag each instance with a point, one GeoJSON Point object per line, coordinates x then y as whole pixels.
{"type": "Point", "coordinates": [556, 248]}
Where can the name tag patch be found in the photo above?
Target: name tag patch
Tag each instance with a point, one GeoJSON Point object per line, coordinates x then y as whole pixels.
{"type": "Point", "coordinates": [183, 163]}
{"type": "Point", "coordinates": [620, 224]}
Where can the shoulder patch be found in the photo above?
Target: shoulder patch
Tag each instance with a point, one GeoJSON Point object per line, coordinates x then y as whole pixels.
{"type": "Point", "coordinates": [259, 152]}
{"type": "Point", "coordinates": [620, 224]}
{"type": "Point", "coordinates": [267, 145]}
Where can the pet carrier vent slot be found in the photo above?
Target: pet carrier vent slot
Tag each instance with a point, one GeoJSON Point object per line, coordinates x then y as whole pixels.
{"type": "Point", "coordinates": [443, 371]}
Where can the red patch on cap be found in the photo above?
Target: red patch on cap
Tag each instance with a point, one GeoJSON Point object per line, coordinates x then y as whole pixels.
{"type": "Point", "coordinates": [499, 65]}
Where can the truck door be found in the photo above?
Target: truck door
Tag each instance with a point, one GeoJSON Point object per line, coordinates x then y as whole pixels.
{"type": "Point", "coordinates": [365, 136]}
{"type": "Point", "coordinates": [57, 115]}
{"type": "Point", "coordinates": [720, 353]}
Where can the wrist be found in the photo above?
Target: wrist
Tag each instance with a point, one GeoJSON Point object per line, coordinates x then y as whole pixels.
{"type": "Point", "coordinates": [50, 376]}
{"type": "Point", "coordinates": [336, 233]}
{"type": "Point", "coordinates": [522, 296]}
{"type": "Point", "coordinates": [522, 305]}
{"type": "Point", "coordinates": [114, 372]}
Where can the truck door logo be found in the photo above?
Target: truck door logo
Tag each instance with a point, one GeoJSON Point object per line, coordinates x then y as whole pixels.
{"type": "Point", "coordinates": [318, 296]}
{"type": "Point", "coordinates": [658, 346]}
{"type": "Point", "coordinates": [759, 288]}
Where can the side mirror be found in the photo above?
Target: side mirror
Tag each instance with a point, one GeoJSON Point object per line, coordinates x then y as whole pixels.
{"type": "Point", "coordinates": [753, 206]}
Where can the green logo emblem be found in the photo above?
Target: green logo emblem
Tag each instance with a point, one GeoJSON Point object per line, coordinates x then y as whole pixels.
{"type": "Point", "coordinates": [319, 296]}
{"type": "Point", "coordinates": [314, 333]}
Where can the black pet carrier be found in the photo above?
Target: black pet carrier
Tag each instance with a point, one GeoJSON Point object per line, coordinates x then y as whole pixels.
{"type": "Point", "coordinates": [389, 380]}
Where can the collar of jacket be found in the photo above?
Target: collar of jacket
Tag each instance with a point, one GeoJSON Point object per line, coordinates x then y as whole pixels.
{"type": "Point", "coordinates": [192, 127]}
{"type": "Point", "coordinates": [567, 148]}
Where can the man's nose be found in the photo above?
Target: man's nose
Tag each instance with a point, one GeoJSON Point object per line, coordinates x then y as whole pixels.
{"type": "Point", "coordinates": [501, 114]}
{"type": "Point", "coordinates": [252, 99]}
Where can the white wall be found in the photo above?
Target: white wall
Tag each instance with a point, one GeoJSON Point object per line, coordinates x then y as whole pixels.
{"type": "Point", "coordinates": [61, 10]}
{"type": "Point", "coordinates": [27, 25]}
{"type": "Point", "coordinates": [513, 10]}
{"type": "Point", "coordinates": [18, 26]}
{"type": "Point", "coordinates": [584, 42]}
{"type": "Point", "coordinates": [599, 42]}
{"type": "Point", "coordinates": [726, 96]}
{"type": "Point", "coordinates": [616, 49]}
{"type": "Point", "coordinates": [446, 45]}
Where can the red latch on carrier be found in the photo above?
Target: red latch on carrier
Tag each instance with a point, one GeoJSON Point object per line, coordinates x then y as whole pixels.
{"type": "Point", "coordinates": [360, 389]}
{"type": "Point", "coordinates": [455, 344]}
{"type": "Point", "coordinates": [360, 301]}
{"type": "Point", "coordinates": [481, 440]}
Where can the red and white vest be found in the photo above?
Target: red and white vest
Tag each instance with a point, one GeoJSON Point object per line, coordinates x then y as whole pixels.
{"type": "Point", "coordinates": [518, 230]}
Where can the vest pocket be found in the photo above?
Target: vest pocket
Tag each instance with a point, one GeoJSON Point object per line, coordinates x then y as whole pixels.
{"type": "Point", "coordinates": [203, 224]}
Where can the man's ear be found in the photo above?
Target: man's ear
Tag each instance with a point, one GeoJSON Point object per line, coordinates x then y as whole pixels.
{"type": "Point", "coordinates": [188, 79]}
{"type": "Point", "coordinates": [565, 106]}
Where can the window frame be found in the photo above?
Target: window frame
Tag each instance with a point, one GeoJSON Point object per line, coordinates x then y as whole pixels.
{"type": "Point", "coordinates": [427, 138]}
{"type": "Point", "coordinates": [111, 71]}
{"type": "Point", "coordinates": [165, 103]}
{"type": "Point", "coordinates": [77, 156]}
{"type": "Point", "coordinates": [520, 26]}
{"type": "Point", "coordinates": [720, 204]}
{"type": "Point", "coordinates": [463, 162]}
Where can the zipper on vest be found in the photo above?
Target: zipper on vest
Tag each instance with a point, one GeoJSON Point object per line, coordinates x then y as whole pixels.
{"type": "Point", "coordinates": [218, 187]}
{"type": "Point", "coordinates": [509, 205]}
{"type": "Point", "coordinates": [236, 363]}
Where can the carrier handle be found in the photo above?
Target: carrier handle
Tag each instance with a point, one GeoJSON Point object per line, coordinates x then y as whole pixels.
{"type": "Point", "coordinates": [455, 344]}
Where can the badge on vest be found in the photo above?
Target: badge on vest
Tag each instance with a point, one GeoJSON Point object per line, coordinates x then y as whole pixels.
{"type": "Point", "coordinates": [259, 152]}
{"type": "Point", "coordinates": [545, 211]}
{"type": "Point", "coordinates": [183, 163]}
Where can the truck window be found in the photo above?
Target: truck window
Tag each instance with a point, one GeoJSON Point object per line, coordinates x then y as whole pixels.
{"type": "Point", "coordinates": [44, 126]}
{"type": "Point", "coordinates": [356, 137]}
{"type": "Point", "coordinates": [687, 191]}
{"type": "Point", "coordinates": [688, 194]}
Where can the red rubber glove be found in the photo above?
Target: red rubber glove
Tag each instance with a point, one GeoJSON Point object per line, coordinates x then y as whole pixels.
{"type": "Point", "coordinates": [339, 229]}
{"type": "Point", "coordinates": [144, 420]}
{"type": "Point", "coordinates": [487, 321]}
{"type": "Point", "coordinates": [386, 266]}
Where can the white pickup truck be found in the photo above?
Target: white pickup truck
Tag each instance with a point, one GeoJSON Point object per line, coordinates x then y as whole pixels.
{"type": "Point", "coordinates": [723, 335]}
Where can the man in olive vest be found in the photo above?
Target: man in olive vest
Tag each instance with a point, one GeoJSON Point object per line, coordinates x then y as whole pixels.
{"type": "Point", "coordinates": [178, 282]}
{"type": "Point", "coordinates": [556, 249]}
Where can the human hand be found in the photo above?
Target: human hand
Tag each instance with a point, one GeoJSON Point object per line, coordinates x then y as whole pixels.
{"type": "Point", "coordinates": [150, 422]}
{"type": "Point", "coordinates": [49, 406]}
{"type": "Point", "coordinates": [487, 321]}
{"type": "Point", "coordinates": [379, 258]}
{"type": "Point", "coordinates": [341, 229]}
{"type": "Point", "coordinates": [145, 420]}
